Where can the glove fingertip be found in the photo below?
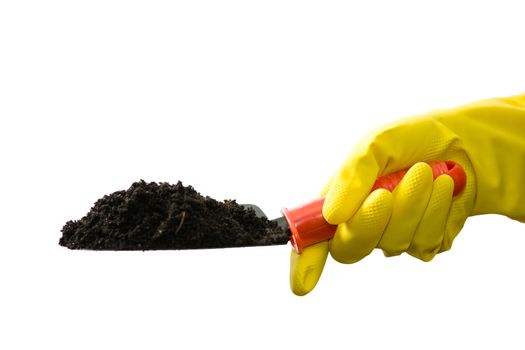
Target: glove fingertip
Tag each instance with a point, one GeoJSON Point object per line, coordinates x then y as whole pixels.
{"type": "Point", "coordinates": [338, 206]}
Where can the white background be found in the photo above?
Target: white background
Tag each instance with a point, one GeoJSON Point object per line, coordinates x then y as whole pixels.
{"type": "Point", "coordinates": [254, 100]}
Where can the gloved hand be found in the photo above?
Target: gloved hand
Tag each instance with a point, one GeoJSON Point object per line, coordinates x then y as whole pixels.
{"type": "Point", "coordinates": [420, 216]}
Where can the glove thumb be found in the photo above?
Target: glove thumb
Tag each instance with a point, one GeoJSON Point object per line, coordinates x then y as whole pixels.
{"type": "Point", "coordinates": [306, 268]}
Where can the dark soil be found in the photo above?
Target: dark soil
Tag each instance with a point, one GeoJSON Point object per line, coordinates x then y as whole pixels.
{"type": "Point", "coordinates": [151, 216]}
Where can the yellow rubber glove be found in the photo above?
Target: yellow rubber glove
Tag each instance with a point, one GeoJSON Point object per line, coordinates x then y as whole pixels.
{"type": "Point", "coordinates": [420, 216]}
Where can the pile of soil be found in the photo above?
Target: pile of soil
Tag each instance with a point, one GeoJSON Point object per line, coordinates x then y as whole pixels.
{"type": "Point", "coordinates": [154, 216]}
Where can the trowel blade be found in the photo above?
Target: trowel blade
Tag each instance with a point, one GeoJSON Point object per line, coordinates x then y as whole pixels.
{"type": "Point", "coordinates": [281, 221]}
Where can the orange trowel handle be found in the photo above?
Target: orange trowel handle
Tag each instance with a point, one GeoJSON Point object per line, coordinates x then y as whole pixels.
{"type": "Point", "coordinates": [308, 226]}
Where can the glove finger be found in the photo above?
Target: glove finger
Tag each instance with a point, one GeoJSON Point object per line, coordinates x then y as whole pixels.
{"type": "Point", "coordinates": [410, 199]}
{"type": "Point", "coordinates": [389, 149]}
{"type": "Point", "coordinates": [306, 268]}
{"type": "Point", "coordinates": [357, 238]}
{"type": "Point", "coordinates": [461, 208]}
{"type": "Point", "coordinates": [429, 234]}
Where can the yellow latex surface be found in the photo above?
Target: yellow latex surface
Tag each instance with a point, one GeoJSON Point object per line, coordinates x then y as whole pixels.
{"type": "Point", "coordinates": [420, 217]}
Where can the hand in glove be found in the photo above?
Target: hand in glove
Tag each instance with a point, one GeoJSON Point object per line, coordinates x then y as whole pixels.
{"type": "Point", "coordinates": [420, 216]}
